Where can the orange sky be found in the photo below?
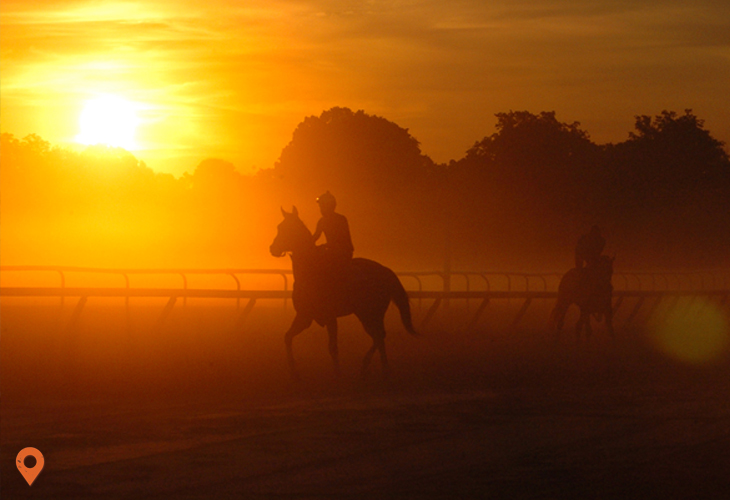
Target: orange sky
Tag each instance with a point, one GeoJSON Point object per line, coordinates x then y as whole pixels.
{"type": "Point", "coordinates": [233, 79]}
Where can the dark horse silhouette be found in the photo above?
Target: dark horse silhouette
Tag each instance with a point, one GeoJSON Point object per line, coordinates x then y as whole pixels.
{"type": "Point", "coordinates": [591, 290]}
{"type": "Point", "coordinates": [366, 292]}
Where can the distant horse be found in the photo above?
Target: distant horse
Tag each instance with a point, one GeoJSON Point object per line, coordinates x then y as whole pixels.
{"type": "Point", "coordinates": [365, 292]}
{"type": "Point", "coordinates": [591, 290]}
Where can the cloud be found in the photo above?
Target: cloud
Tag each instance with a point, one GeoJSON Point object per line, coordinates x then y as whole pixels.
{"type": "Point", "coordinates": [428, 65]}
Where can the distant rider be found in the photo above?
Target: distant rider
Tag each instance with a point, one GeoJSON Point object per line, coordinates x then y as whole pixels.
{"type": "Point", "coordinates": [589, 248]}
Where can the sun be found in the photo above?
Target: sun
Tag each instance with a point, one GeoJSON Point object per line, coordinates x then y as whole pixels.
{"type": "Point", "coordinates": [108, 120]}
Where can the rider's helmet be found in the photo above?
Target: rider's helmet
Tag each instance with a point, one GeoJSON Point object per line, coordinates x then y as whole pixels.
{"type": "Point", "coordinates": [327, 202]}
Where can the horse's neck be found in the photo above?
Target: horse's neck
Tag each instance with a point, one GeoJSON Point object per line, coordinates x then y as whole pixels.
{"type": "Point", "coordinates": [304, 262]}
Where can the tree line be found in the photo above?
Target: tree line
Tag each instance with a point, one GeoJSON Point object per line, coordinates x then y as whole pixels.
{"type": "Point", "coordinates": [517, 199]}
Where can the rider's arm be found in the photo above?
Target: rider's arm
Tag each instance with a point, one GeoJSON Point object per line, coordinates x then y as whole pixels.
{"type": "Point", "coordinates": [318, 231]}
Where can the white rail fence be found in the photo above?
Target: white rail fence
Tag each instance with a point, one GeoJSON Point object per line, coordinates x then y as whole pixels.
{"type": "Point", "coordinates": [436, 287]}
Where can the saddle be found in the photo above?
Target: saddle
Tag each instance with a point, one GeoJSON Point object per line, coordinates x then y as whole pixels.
{"type": "Point", "coordinates": [332, 286]}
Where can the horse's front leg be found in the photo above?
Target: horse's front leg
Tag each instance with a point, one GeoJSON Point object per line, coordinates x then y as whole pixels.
{"type": "Point", "coordinates": [299, 324]}
{"type": "Point", "coordinates": [583, 321]}
{"type": "Point", "coordinates": [589, 328]}
{"type": "Point", "coordinates": [609, 321]}
{"type": "Point", "coordinates": [334, 351]}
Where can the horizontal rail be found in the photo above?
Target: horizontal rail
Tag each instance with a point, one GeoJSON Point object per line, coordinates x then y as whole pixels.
{"type": "Point", "coordinates": [439, 297]}
{"type": "Point", "coordinates": [708, 279]}
{"type": "Point", "coordinates": [99, 270]}
{"type": "Point", "coordinates": [142, 292]}
{"type": "Point", "coordinates": [286, 294]}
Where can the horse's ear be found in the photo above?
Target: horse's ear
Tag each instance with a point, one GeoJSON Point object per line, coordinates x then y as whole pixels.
{"type": "Point", "coordinates": [294, 211]}
{"type": "Point", "coordinates": [283, 212]}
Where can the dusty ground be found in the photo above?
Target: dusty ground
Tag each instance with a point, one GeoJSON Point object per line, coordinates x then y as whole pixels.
{"type": "Point", "coordinates": [194, 409]}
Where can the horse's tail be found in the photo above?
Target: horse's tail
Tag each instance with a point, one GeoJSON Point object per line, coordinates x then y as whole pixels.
{"type": "Point", "coordinates": [399, 296]}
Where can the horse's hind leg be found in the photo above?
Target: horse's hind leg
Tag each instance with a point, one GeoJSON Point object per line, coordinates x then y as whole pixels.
{"type": "Point", "coordinates": [376, 330]}
{"type": "Point", "coordinates": [557, 320]}
{"type": "Point", "coordinates": [383, 356]}
{"type": "Point", "coordinates": [561, 321]}
{"type": "Point", "coordinates": [334, 351]}
{"type": "Point", "coordinates": [378, 345]}
{"type": "Point", "coordinates": [366, 360]}
{"type": "Point", "coordinates": [299, 324]}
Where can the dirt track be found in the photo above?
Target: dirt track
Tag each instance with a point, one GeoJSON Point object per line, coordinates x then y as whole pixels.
{"type": "Point", "coordinates": [460, 419]}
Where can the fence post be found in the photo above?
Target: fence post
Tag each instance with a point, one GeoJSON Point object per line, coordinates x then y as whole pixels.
{"type": "Point", "coordinates": [244, 314]}
{"type": "Point", "coordinates": [73, 323]}
{"type": "Point", "coordinates": [522, 312]}
{"type": "Point", "coordinates": [166, 311]}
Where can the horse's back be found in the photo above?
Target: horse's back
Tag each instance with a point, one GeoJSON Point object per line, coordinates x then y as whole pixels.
{"type": "Point", "coordinates": [585, 288]}
{"type": "Point", "coordinates": [369, 270]}
{"type": "Point", "coordinates": [367, 264]}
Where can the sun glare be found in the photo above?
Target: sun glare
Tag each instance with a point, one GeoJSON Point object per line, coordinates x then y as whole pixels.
{"type": "Point", "coordinates": [108, 120]}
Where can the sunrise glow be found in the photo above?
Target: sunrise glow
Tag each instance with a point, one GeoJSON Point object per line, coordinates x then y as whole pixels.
{"type": "Point", "coordinates": [693, 332]}
{"type": "Point", "coordinates": [324, 249]}
{"type": "Point", "coordinates": [108, 120]}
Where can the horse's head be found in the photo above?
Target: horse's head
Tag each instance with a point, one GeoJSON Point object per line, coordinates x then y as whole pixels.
{"type": "Point", "coordinates": [291, 234]}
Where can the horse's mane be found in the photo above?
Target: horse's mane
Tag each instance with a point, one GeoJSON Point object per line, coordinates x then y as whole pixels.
{"type": "Point", "coordinates": [302, 225]}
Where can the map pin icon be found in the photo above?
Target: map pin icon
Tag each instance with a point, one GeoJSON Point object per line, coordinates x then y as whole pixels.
{"type": "Point", "coordinates": [30, 473]}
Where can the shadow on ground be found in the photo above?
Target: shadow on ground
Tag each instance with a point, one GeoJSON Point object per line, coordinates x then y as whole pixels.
{"type": "Point", "coordinates": [199, 408]}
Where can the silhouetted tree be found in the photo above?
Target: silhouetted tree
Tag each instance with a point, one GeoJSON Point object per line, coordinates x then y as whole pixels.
{"type": "Point", "coordinates": [32, 172]}
{"type": "Point", "coordinates": [673, 155]}
{"type": "Point", "coordinates": [374, 168]}
{"type": "Point", "coordinates": [342, 148]}
{"type": "Point", "coordinates": [521, 192]}
{"type": "Point", "coordinates": [539, 157]}
{"type": "Point", "coordinates": [71, 207]}
{"type": "Point", "coordinates": [670, 186]}
{"type": "Point", "coordinates": [215, 177]}
{"type": "Point", "coordinates": [531, 182]}
{"type": "Point", "coordinates": [218, 200]}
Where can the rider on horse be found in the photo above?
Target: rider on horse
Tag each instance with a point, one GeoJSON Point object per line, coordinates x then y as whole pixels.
{"type": "Point", "coordinates": [591, 280]}
{"type": "Point", "coordinates": [337, 250]}
{"type": "Point", "coordinates": [335, 228]}
{"type": "Point", "coordinates": [588, 287]}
